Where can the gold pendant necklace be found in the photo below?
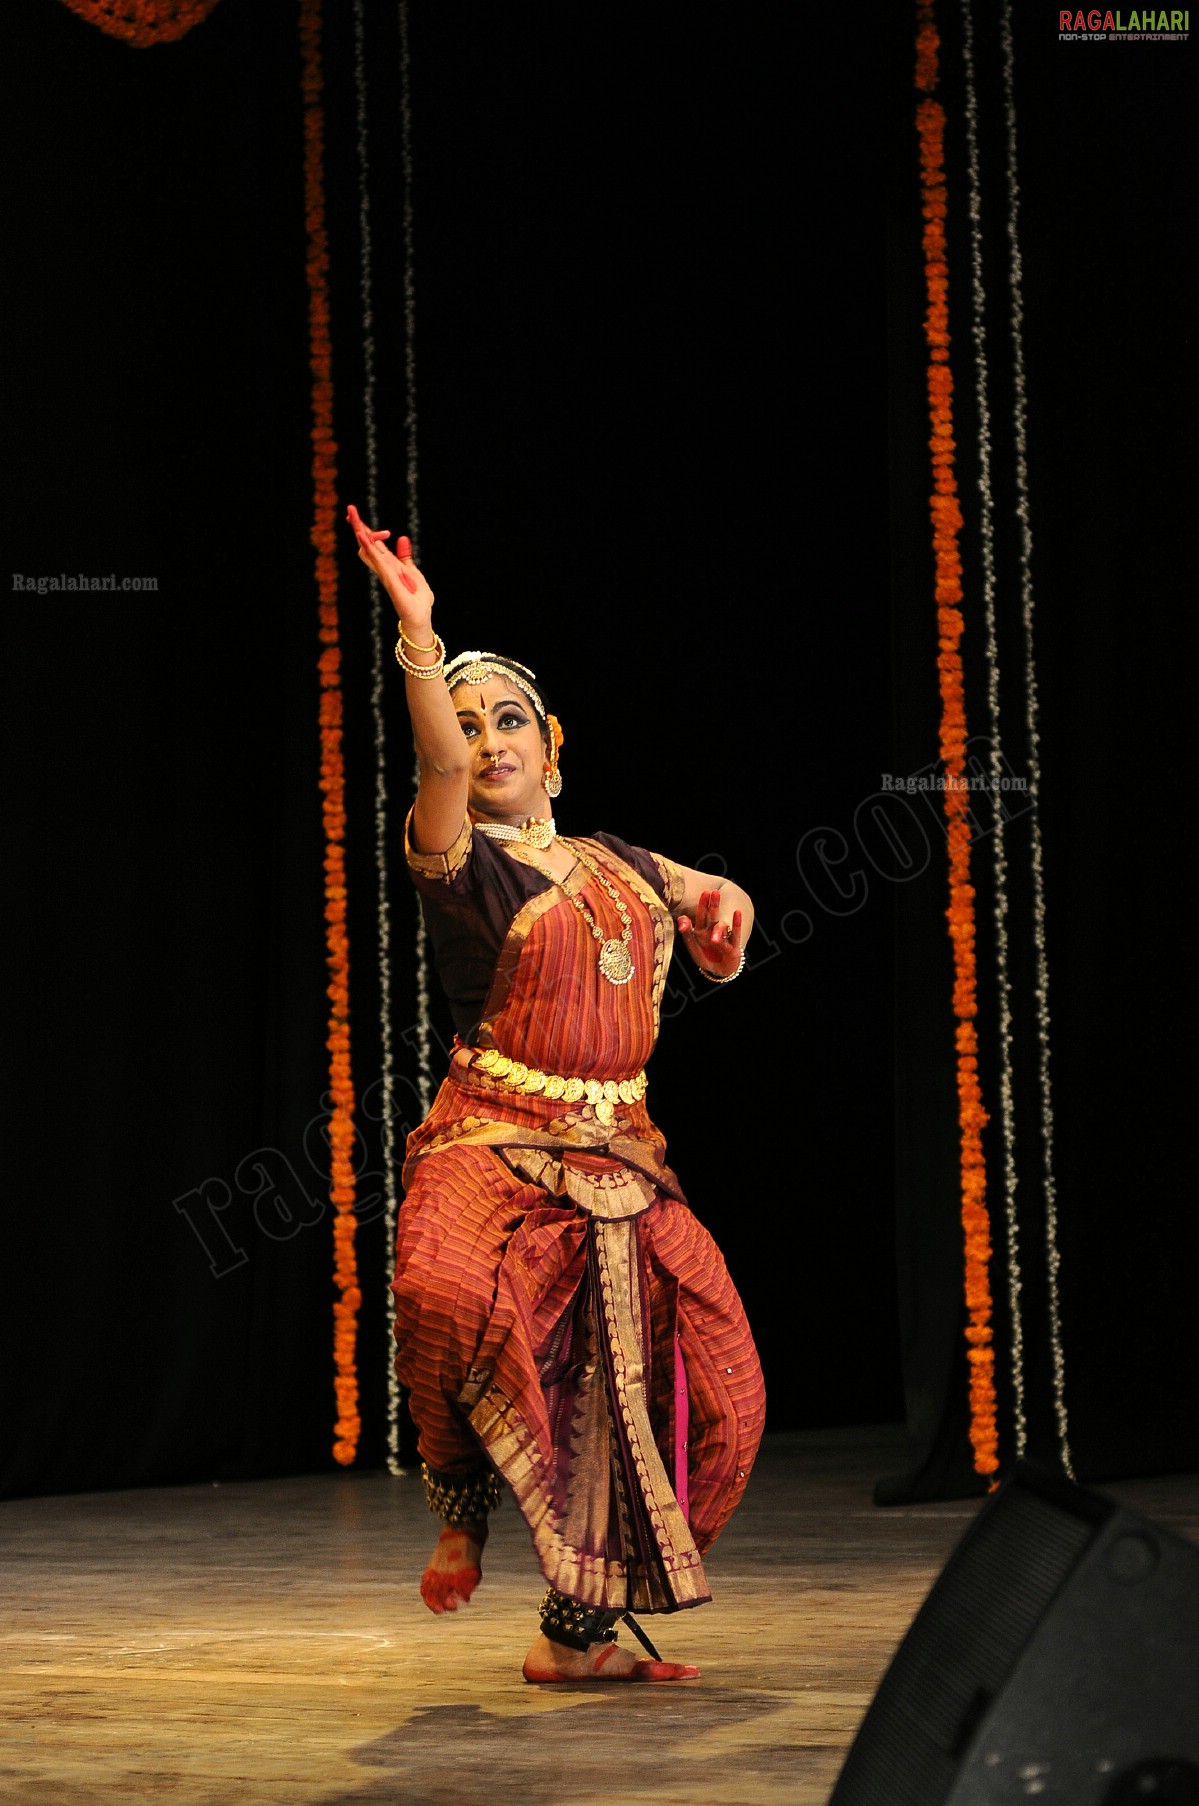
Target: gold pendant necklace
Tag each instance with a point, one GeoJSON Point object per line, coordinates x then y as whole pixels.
{"type": "Point", "coordinates": [615, 960]}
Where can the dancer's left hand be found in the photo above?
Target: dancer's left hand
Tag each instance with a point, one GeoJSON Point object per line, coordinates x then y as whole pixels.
{"type": "Point", "coordinates": [715, 946]}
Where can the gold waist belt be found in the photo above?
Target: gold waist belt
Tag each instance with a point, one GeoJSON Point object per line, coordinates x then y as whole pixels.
{"type": "Point", "coordinates": [514, 1076]}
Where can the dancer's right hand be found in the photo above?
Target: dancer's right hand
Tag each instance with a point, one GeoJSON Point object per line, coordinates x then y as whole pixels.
{"type": "Point", "coordinates": [410, 595]}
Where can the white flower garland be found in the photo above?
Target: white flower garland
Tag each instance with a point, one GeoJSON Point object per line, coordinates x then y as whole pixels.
{"type": "Point", "coordinates": [413, 526]}
{"type": "Point", "coordinates": [383, 898]}
{"type": "Point", "coordinates": [987, 524]}
{"type": "Point", "coordinates": [424, 1065]}
{"type": "Point", "coordinates": [1032, 718]}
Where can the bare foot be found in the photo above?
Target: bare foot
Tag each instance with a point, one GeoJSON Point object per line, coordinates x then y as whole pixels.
{"type": "Point", "coordinates": [548, 1662]}
{"type": "Point", "coordinates": [454, 1569]}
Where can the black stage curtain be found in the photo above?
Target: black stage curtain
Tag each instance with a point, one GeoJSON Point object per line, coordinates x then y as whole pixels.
{"type": "Point", "coordinates": [650, 356]}
{"type": "Point", "coordinates": [1106, 180]}
{"type": "Point", "coordinates": [667, 295]}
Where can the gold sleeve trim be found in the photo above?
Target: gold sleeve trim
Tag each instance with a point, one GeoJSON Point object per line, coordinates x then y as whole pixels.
{"type": "Point", "coordinates": [445, 866]}
{"type": "Point", "coordinates": [672, 878]}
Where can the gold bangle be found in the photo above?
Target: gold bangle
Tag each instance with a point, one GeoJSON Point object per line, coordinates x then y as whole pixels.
{"type": "Point", "coordinates": [728, 977]}
{"type": "Point", "coordinates": [424, 672]}
{"type": "Point", "coordinates": [413, 643]}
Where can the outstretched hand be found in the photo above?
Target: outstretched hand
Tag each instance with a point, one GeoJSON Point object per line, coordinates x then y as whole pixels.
{"type": "Point", "coordinates": [715, 946]}
{"type": "Point", "coordinates": [410, 595]}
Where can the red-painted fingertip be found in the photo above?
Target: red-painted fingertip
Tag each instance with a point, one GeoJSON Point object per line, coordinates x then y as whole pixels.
{"type": "Point", "coordinates": [403, 546]}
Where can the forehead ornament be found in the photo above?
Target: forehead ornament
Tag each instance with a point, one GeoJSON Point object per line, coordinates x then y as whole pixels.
{"type": "Point", "coordinates": [477, 667]}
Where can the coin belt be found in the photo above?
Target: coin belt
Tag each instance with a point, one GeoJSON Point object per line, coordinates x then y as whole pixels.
{"type": "Point", "coordinates": [602, 1094]}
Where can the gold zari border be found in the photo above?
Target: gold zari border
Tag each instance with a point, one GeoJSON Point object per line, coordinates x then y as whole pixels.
{"type": "Point", "coordinates": [445, 866]}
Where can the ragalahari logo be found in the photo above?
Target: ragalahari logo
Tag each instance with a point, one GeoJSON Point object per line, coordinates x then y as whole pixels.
{"type": "Point", "coordinates": [1112, 27]}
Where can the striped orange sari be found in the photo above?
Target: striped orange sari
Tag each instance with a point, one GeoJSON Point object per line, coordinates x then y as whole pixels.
{"type": "Point", "coordinates": [558, 1305]}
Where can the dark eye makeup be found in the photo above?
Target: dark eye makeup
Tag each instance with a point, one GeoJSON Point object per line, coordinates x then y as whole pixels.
{"type": "Point", "coordinates": [510, 720]}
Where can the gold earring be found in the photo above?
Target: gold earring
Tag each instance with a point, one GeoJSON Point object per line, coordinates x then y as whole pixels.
{"type": "Point", "coordinates": [553, 782]}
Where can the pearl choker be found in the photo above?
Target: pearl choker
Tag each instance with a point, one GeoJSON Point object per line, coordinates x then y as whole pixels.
{"type": "Point", "coordinates": [530, 833]}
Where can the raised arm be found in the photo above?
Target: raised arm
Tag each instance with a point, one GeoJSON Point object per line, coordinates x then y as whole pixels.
{"type": "Point", "coordinates": [442, 752]}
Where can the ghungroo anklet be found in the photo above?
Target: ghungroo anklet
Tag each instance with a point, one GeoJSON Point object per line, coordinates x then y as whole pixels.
{"type": "Point", "coordinates": [578, 1626]}
{"type": "Point", "coordinates": [461, 1498]}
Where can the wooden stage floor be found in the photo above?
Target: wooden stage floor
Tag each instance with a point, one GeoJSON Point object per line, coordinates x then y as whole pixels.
{"type": "Point", "coordinates": [266, 1642]}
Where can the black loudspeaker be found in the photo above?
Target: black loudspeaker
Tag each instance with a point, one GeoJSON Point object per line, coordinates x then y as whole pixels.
{"type": "Point", "coordinates": [1055, 1661]}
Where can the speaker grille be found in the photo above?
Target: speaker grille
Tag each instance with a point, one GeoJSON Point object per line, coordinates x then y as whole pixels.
{"type": "Point", "coordinates": [961, 1648]}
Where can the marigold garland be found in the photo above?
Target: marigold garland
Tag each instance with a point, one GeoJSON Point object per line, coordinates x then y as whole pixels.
{"type": "Point", "coordinates": [143, 23]}
{"type": "Point", "coordinates": [332, 780]}
{"type": "Point", "coordinates": [946, 523]}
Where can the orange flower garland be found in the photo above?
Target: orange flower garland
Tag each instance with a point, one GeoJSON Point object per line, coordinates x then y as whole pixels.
{"type": "Point", "coordinates": [337, 945]}
{"type": "Point", "coordinates": [947, 522]}
{"type": "Point", "coordinates": [143, 23]}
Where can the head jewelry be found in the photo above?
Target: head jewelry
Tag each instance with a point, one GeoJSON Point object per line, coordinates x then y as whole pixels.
{"type": "Point", "coordinates": [477, 667]}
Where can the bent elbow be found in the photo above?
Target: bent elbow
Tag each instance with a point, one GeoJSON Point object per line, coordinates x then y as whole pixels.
{"type": "Point", "coordinates": [445, 767]}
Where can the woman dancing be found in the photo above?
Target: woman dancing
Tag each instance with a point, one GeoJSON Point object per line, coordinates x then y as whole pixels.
{"type": "Point", "coordinates": [563, 1321]}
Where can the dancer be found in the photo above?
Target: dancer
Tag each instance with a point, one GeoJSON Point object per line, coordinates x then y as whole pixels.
{"type": "Point", "coordinates": [563, 1322]}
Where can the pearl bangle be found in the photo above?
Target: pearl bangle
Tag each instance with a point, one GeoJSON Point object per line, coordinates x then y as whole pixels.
{"type": "Point", "coordinates": [424, 672]}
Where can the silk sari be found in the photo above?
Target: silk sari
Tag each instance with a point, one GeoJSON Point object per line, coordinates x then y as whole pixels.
{"type": "Point", "coordinates": [558, 1304]}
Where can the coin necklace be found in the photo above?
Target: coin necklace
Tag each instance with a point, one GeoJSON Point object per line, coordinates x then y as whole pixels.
{"type": "Point", "coordinates": [615, 960]}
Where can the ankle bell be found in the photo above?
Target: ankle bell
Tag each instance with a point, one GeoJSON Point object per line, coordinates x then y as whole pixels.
{"type": "Point", "coordinates": [460, 1499]}
{"type": "Point", "coordinates": [577, 1626]}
